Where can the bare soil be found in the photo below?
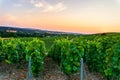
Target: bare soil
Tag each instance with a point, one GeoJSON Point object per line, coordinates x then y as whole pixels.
{"type": "Point", "coordinates": [51, 71]}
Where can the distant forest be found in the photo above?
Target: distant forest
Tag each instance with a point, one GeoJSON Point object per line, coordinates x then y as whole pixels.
{"type": "Point", "coordinates": [24, 34]}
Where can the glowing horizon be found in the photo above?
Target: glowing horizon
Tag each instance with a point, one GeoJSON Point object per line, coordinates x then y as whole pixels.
{"type": "Point", "coordinates": [84, 16]}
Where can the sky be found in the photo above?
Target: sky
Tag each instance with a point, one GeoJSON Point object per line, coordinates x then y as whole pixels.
{"type": "Point", "coordinates": [82, 16]}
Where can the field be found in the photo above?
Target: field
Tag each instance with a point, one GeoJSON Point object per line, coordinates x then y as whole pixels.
{"type": "Point", "coordinates": [58, 58]}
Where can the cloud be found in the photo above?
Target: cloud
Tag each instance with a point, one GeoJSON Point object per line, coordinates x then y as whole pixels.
{"type": "Point", "coordinates": [39, 5]}
{"type": "Point", "coordinates": [118, 2]}
{"type": "Point", "coordinates": [17, 5]}
{"type": "Point", "coordinates": [8, 19]}
{"type": "Point", "coordinates": [48, 7]}
{"type": "Point", "coordinates": [55, 8]}
{"type": "Point", "coordinates": [32, 1]}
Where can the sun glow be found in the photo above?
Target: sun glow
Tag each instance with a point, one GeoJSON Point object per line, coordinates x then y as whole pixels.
{"type": "Point", "coordinates": [71, 16]}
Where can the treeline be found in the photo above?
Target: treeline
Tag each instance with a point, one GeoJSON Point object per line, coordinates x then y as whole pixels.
{"type": "Point", "coordinates": [26, 34]}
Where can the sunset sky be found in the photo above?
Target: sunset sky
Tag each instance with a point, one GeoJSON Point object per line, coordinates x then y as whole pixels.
{"type": "Point", "coordinates": [83, 16]}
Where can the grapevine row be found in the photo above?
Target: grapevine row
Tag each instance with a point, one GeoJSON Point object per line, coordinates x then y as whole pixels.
{"type": "Point", "coordinates": [101, 54]}
{"type": "Point", "coordinates": [14, 51]}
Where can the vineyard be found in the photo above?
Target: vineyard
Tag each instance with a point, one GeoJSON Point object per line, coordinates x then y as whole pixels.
{"type": "Point", "coordinates": [101, 53]}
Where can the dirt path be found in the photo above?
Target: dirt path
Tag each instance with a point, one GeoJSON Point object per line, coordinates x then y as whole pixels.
{"type": "Point", "coordinates": [51, 72]}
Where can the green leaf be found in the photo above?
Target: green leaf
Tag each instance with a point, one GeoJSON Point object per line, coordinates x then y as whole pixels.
{"type": "Point", "coordinates": [27, 57]}
{"type": "Point", "coordinates": [8, 61]}
{"type": "Point", "coordinates": [75, 68]}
